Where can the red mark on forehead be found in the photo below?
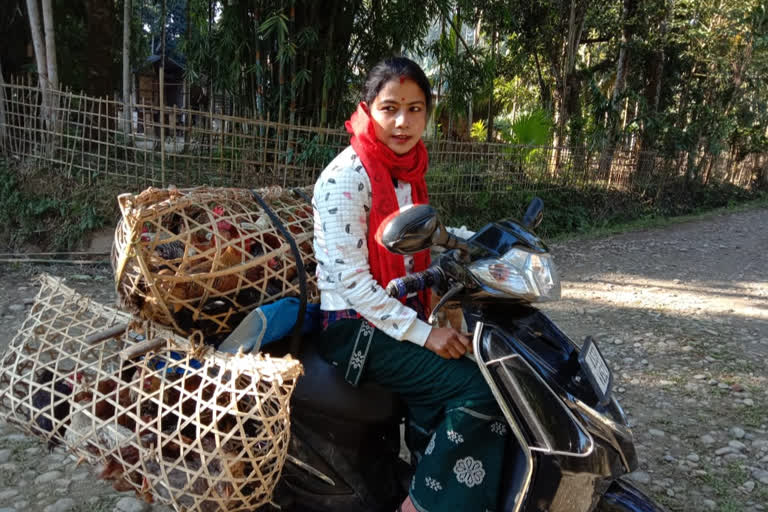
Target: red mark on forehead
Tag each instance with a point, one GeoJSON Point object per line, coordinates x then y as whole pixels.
{"type": "Point", "coordinates": [402, 79]}
{"type": "Point", "coordinates": [402, 99]}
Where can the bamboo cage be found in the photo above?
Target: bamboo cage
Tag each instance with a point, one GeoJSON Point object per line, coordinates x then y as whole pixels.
{"type": "Point", "coordinates": [165, 416]}
{"type": "Point", "coordinates": [198, 260]}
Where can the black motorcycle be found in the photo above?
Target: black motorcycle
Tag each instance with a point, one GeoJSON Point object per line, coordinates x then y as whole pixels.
{"type": "Point", "coordinates": [570, 441]}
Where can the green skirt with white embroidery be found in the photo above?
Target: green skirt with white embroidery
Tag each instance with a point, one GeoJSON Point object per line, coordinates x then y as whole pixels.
{"type": "Point", "coordinates": [456, 430]}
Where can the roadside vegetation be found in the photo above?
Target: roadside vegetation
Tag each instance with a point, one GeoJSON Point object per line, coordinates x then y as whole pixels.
{"type": "Point", "coordinates": [42, 211]}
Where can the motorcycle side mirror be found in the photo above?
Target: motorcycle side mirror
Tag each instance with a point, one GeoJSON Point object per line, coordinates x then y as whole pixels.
{"type": "Point", "coordinates": [415, 228]}
{"type": "Point", "coordinates": [410, 230]}
{"type": "Point", "coordinates": [534, 214]}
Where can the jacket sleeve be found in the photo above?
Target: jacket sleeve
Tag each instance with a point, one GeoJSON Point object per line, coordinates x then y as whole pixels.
{"type": "Point", "coordinates": [342, 198]}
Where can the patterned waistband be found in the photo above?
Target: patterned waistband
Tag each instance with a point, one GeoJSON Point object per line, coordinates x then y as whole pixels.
{"type": "Point", "coordinates": [330, 317]}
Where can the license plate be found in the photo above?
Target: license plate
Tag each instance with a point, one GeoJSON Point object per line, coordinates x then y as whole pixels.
{"type": "Point", "coordinates": [598, 373]}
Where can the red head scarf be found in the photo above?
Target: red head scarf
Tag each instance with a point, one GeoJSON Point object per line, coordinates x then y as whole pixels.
{"type": "Point", "coordinates": [383, 165]}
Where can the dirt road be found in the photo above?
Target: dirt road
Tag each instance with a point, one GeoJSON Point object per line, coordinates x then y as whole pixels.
{"type": "Point", "coordinates": [681, 313]}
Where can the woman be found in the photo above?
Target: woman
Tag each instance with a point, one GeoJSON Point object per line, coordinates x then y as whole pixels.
{"type": "Point", "coordinates": [371, 336]}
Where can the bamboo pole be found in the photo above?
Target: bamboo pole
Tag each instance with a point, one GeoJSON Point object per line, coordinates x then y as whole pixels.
{"type": "Point", "coordinates": [54, 262]}
{"type": "Point", "coordinates": [162, 96]}
{"type": "Point", "coordinates": [3, 122]}
{"type": "Point", "coordinates": [69, 154]}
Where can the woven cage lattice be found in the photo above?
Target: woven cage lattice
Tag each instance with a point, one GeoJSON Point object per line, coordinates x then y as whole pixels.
{"type": "Point", "coordinates": [200, 259]}
{"type": "Point", "coordinates": [171, 419]}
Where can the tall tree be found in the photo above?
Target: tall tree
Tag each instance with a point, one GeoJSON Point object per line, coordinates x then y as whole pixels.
{"type": "Point", "coordinates": [127, 114]}
{"type": "Point", "coordinates": [3, 125]}
{"type": "Point", "coordinates": [40, 57]}
{"type": "Point", "coordinates": [622, 65]}
{"type": "Point", "coordinates": [50, 45]}
{"type": "Point", "coordinates": [99, 26]}
{"type": "Point", "coordinates": [651, 86]}
{"type": "Point", "coordinates": [37, 41]}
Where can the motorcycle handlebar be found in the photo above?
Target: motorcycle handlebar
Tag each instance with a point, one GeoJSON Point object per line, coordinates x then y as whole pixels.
{"type": "Point", "coordinates": [416, 282]}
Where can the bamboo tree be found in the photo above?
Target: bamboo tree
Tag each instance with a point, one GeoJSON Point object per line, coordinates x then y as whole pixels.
{"type": "Point", "coordinates": [259, 62]}
{"type": "Point", "coordinates": [127, 114]}
{"type": "Point", "coordinates": [652, 92]}
{"type": "Point", "coordinates": [3, 132]}
{"type": "Point", "coordinates": [328, 72]}
{"type": "Point", "coordinates": [439, 71]}
{"type": "Point", "coordinates": [622, 65]}
{"type": "Point", "coordinates": [40, 57]}
{"type": "Point", "coordinates": [282, 47]}
{"type": "Point", "coordinates": [489, 125]}
{"type": "Point", "coordinates": [50, 45]}
{"type": "Point", "coordinates": [563, 65]}
{"type": "Point", "coordinates": [162, 93]}
{"type": "Point", "coordinates": [291, 30]}
{"type": "Point", "coordinates": [187, 92]}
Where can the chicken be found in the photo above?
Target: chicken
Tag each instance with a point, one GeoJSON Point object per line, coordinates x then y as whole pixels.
{"type": "Point", "coordinates": [205, 239]}
{"type": "Point", "coordinates": [106, 388]}
{"type": "Point", "coordinates": [229, 258]}
{"type": "Point", "coordinates": [171, 250]}
{"type": "Point", "coordinates": [194, 493]}
{"type": "Point", "coordinates": [114, 470]}
{"type": "Point", "coordinates": [225, 457]}
{"type": "Point", "coordinates": [174, 292]}
{"type": "Point", "coordinates": [79, 431]}
{"type": "Point", "coordinates": [178, 293]}
{"type": "Point", "coordinates": [53, 410]}
{"type": "Point", "coordinates": [151, 310]}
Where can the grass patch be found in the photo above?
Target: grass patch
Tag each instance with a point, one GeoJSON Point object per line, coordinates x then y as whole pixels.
{"type": "Point", "coordinates": [762, 495]}
{"type": "Point", "coordinates": [105, 504]}
{"type": "Point", "coordinates": [46, 210]}
{"type": "Point", "coordinates": [49, 212]}
{"type": "Point", "coordinates": [652, 222]}
{"type": "Point", "coordinates": [730, 505]}
{"type": "Point", "coordinates": [754, 417]}
{"type": "Point", "coordinates": [588, 212]}
{"type": "Point", "coordinates": [725, 484]}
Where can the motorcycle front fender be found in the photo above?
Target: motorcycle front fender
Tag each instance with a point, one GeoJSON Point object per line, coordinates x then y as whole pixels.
{"type": "Point", "coordinates": [622, 496]}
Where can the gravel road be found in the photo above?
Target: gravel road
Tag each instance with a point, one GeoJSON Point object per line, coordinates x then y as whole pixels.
{"type": "Point", "coordinates": [681, 313]}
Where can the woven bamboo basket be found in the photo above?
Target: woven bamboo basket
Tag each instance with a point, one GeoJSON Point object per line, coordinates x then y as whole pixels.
{"type": "Point", "coordinates": [169, 418]}
{"type": "Point", "coordinates": [200, 259]}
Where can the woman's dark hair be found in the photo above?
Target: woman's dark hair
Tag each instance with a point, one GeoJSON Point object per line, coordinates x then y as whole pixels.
{"type": "Point", "coordinates": [396, 68]}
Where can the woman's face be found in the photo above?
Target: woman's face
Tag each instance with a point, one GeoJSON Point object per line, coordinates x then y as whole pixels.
{"type": "Point", "coordinates": [399, 114]}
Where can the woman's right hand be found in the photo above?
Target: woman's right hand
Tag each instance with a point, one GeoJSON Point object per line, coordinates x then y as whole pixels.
{"type": "Point", "coordinates": [447, 342]}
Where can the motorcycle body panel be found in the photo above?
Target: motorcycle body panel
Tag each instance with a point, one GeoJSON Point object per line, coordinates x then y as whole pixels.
{"type": "Point", "coordinates": [345, 443]}
{"type": "Point", "coordinates": [574, 448]}
{"type": "Point", "coordinates": [622, 496]}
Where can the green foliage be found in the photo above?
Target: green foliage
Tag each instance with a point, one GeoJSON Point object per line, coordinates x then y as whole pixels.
{"type": "Point", "coordinates": [694, 70]}
{"type": "Point", "coordinates": [515, 93]}
{"type": "Point", "coordinates": [533, 129]}
{"type": "Point", "coordinates": [313, 152]}
{"type": "Point", "coordinates": [479, 132]}
{"type": "Point", "coordinates": [43, 210]}
{"type": "Point", "coordinates": [580, 210]}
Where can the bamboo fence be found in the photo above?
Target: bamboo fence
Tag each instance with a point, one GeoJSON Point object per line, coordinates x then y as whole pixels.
{"type": "Point", "coordinates": [85, 138]}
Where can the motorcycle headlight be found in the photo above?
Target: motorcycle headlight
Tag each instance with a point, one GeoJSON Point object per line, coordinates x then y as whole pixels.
{"type": "Point", "coordinates": [528, 275]}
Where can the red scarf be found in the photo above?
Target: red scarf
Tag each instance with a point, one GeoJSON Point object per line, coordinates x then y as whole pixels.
{"type": "Point", "coordinates": [382, 165]}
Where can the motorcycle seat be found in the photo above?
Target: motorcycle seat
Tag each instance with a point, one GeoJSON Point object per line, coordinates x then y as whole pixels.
{"type": "Point", "coordinates": [323, 389]}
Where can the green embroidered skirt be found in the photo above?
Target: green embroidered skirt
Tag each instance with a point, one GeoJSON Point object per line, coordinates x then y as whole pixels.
{"type": "Point", "coordinates": [456, 430]}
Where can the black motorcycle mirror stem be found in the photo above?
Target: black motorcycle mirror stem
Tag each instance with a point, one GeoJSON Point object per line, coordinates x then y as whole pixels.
{"type": "Point", "coordinates": [533, 214]}
{"type": "Point", "coordinates": [415, 228]}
